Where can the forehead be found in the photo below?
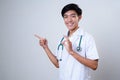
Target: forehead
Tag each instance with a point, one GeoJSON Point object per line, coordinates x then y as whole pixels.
{"type": "Point", "coordinates": [70, 12]}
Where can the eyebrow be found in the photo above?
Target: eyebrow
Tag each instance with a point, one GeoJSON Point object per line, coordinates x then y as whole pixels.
{"type": "Point", "coordinates": [70, 14]}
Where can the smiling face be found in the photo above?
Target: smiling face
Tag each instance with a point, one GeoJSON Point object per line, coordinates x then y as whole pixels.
{"type": "Point", "coordinates": [71, 20]}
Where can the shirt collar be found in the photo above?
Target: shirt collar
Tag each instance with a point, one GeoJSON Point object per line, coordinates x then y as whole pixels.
{"type": "Point", "coordinates": [78, 32]}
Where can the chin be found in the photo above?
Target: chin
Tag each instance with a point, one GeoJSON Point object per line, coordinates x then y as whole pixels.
{"type": "Point", "coordinates": [70, 29]}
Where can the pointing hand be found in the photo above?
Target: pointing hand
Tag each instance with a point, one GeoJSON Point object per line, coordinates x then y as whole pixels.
{"type": "Point", "coordinates": [42, 41]}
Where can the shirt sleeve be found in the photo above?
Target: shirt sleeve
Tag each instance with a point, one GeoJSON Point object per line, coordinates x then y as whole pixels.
{"type": "Point", "coordinates": [91, 50]}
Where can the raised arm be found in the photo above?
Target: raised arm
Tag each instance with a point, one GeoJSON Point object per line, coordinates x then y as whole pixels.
{"type": "Point", "coordinates": [44, 43]}
{"type": "Point", "coordinates": [87, 62]}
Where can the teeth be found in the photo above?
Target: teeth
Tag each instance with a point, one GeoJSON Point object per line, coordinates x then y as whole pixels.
{"type": "Point", "coordinates": [70, 24]}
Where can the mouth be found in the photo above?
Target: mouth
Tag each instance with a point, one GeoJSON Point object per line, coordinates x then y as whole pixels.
{"type": "Point", "coordinates": [70, 24]}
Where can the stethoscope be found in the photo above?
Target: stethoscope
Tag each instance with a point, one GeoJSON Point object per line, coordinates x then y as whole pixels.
{"type": "Point", "coordinates": [78, 48]}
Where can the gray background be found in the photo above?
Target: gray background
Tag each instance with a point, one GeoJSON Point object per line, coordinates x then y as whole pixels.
{"type": "Point", "coordinates": [21, 58]}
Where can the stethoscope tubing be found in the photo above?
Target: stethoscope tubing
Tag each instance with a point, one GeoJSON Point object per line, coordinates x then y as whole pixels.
{"type": "Point", "coordinates": [61, 45]}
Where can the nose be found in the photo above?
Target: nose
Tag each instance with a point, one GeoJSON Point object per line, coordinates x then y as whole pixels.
{"type": "Point", "coordinates": [69, 19]}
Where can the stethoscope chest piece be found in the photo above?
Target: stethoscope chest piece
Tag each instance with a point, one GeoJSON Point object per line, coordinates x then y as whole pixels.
{"type": "Point", "coordinates": [60, 59]}
{"type": "Point", "coordinates": [79, 49]}
{"type": "Point", "coordinates": [79, 46]}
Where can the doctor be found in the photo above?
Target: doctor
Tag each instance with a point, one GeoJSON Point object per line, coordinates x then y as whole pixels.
{"type": "Point", "coordinates": [76, 52]}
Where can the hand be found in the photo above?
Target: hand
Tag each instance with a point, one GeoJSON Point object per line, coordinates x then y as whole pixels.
{"type": "Point", "coordinates": [68, 45]}
{"type": "Point", "coordinates": [42, 41]}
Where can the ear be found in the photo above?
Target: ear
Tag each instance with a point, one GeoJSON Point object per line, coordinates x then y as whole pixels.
{"type": "Point", "coordinates": [79, 18]}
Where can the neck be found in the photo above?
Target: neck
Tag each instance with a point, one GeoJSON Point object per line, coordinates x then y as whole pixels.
{"type": "Point", "coordinates": [72, 31]}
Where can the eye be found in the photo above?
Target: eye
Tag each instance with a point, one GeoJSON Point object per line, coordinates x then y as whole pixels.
{"type": "Point", "coordinates": [73, 15]}
{"type": "Point", "coordinates": [65, 16]}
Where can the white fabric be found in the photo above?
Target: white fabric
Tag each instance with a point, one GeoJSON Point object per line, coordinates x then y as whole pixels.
{"type": "Point", "coordinates": [69, 67]}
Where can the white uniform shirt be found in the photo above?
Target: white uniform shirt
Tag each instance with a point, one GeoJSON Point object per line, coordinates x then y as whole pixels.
{"type": "Point", "coordinates": [69, 67]}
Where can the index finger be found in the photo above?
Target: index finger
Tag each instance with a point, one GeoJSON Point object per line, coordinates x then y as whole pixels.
{"type": "Point", "coordinates": [37, 36]}
{"type": "Point", "coordinates": [66, 37]}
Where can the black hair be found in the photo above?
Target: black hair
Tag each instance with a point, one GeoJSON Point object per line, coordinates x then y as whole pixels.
{"type": "Point", "coordinates": [71, 6]}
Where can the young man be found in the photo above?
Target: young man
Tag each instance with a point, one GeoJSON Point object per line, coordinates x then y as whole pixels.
{"type": "Point", "coordinates": [76, 53]}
